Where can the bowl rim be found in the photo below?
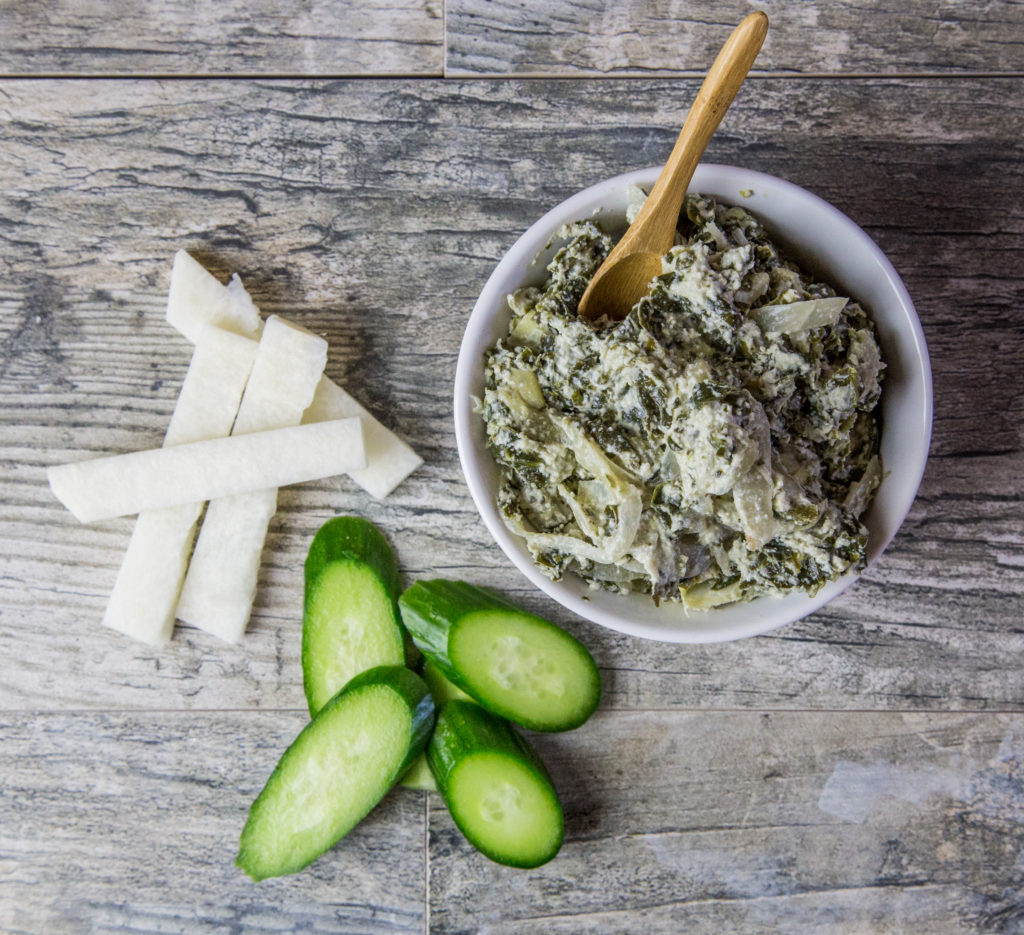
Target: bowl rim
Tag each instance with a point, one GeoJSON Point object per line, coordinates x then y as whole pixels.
{"type": "Point", "coordinates": [571, 592]}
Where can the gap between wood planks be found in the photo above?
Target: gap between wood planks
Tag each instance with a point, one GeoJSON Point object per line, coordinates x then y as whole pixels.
{"type": "Point", "coordinates": [601, 712]}
{"type": "Point", "coordinates": [653, 74]}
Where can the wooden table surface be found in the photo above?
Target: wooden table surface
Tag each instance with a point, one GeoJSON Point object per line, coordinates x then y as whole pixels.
{"type": "Point", "coordinates": [363, 166]}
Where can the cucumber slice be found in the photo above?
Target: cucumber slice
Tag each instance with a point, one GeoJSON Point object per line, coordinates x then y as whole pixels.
{"type": "Point", "coordinates": [441, 688]}
{"type": "Point", "coordinates": [351, 620]}
{"type": "Point", "coordinates": [419, 775]}
{"type": "Point", "coordinates": [337, 769]}
{"type": "Point", "coordinates": [495, 786]}
{"type": "Point", "coordinates": [514, 663]}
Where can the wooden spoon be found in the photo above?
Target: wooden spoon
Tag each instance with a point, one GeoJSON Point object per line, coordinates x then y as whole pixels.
{"type": "Point", "coordinates": [624, 277]}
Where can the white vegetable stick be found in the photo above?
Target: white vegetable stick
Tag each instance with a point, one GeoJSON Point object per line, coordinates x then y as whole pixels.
{"type": "Point", "coordinates": [289, 364]}
{"type": "Point", "coordinates": [220, 584]}
{"type": "Point", "coordinates": [208, 470]}
{"type": "Point", "coordinates": [145, 594]}
{"type": "Point", "coordinates": [389, 460]}
{"type": "Point", "coordinates": [210, 394]}
{"type": "Point", "coordinates": [196, 298]}
{"type": "Point", "coordinates": [242, 310]}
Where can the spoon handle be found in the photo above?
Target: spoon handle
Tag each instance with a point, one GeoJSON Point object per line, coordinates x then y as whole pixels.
{"type": "Point", "coordinates": [716, 94]}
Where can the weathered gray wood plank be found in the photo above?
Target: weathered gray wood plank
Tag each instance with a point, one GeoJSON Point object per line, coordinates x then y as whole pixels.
{"type": "Point", "coordinates": [607, 37]}
{"type": "Point", "coordinates": [373, 211]}
{"type": "Point", "coordinates": [114, 823]}
{"type": "Point", "coordinates": [800, 823]}
{"type": "Point", "coordinates": [406, 37]}
{"type": "Point", "coordinates": [182, 37]}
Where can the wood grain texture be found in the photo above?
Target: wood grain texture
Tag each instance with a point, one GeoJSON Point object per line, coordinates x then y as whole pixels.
{"type": "Point", "coordinates": [639, 37]}
{"type": "Point", "coordinates": [185, 37]}
{"type": "Point", "coordinates": [372, 212]}
{"type": "Point", "coordinates": [820, 822]}
{"type": "Point", "coordinates": [823, 823]}
{"type": "Point", "coordinates": [114, 823]}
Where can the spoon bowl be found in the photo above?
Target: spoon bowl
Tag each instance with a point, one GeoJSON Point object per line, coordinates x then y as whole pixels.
{"type": "Point", "coordinates": [625, 284]}
{"type": "Point", "coordinates": [621, 281]}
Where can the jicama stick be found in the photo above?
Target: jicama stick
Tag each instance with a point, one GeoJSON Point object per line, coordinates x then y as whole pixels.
{"type": "Point", "coordinates": [122, 485]}
{"type": "Point", "coordinates": [197, 296]}
{"type": "Point", "coordinates": [145, 594]}
{"type": "Point", "coordinates": [389, 460]}
{"type": "Point", "coordinates": [221, 581]}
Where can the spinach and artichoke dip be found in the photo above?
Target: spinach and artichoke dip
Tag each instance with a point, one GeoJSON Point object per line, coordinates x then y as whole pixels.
{"type": "Point", "coordinates": [718, 444]}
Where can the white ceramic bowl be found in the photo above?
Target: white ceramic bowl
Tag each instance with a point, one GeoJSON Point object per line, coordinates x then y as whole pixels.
{"type": "Point", "coordinates": [825, 242]}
